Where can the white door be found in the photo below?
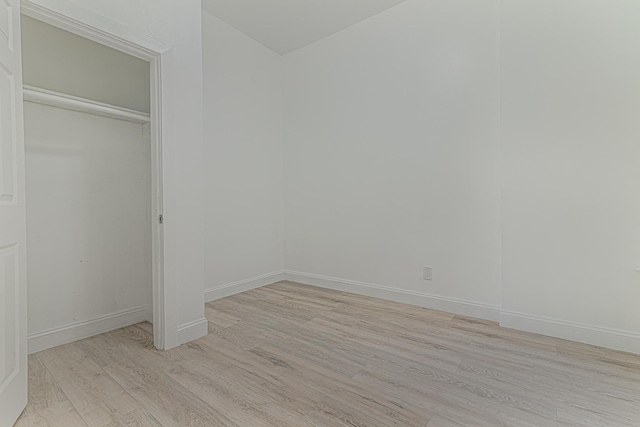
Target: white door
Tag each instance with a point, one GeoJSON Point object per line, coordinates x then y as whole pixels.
{"type": "Point", "coordinates": [13, 295]}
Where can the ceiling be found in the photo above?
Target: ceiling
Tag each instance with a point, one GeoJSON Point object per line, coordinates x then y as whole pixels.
{"type": "Point", "coordinates": [286, 25]}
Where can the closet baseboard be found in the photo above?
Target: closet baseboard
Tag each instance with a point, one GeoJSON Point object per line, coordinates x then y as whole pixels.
{"type": "Point", "coordinates": [77, 331]}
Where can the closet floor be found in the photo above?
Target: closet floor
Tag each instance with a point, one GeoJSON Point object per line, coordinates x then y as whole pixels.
{"type": "Point", "coordinates": [295, 355]}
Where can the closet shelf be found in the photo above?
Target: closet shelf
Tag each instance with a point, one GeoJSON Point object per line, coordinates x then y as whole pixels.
{"type": "Point", "coordinates": [74, 103]}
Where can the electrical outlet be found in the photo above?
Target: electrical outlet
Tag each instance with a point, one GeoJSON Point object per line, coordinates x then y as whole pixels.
{"type": "Point", "coordinates": [427, 273]}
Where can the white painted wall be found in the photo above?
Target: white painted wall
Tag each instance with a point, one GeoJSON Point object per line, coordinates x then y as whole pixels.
{"type": "Point", "coordinates": [571, 161]}
{"type": "Point", "coordinates": [88, 217]}
{"type": "Point", "coordinates": [57, 60]}
{"type": "Point", "coordinates": [243, 151]}
{"type": "Point", "coordinates": [392, 162]}
{"type": "Point", "coordinates": [392, 152]}
{"type": "Point", "coordinates": [177, 24]}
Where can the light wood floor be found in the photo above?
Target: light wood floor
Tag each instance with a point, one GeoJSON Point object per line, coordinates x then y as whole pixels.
{"type": "Point", "coordinates": [293, 355]}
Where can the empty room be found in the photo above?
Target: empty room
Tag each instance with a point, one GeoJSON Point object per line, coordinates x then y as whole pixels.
{"type": "Point", "coordinates": [320, 213]}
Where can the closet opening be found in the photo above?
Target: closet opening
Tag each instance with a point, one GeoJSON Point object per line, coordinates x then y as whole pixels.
{"type": "Point", "coordinates": [93, 184]}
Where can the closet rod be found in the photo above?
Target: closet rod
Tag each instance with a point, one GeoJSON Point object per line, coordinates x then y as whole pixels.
{"type": "Point", "coordinates": [74, 103]}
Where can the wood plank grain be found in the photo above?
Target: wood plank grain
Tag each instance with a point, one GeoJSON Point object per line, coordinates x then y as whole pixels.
{"type": "Point", "coordinates": [44, 391]}
{"type": "Point", "coordinates": [294, 355]}
{"type": "Point", "coordinates": [98, 398]}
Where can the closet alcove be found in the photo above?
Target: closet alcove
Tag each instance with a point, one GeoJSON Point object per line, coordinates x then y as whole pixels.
{"type": "Point", "coordinates": [88, 186]}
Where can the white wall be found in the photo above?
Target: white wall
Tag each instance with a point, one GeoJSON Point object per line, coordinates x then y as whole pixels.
{"type": "Point", "coordinates": [393, 162]}
{"type": "Point", "coordinates": [243, 151]}
{"type": "Point", "coordinates": [88, 217]}
{"type": "Point", "coordinates": [177, 24]}
{"type": "Point", "coordinates": [392, 153]}
{"type": "Point", "coordinates": [571, 172]}
{"type": "Point", "coordinates": [57, 60]}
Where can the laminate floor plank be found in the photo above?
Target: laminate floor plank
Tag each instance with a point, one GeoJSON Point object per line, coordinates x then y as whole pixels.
{"type": "Point", "coordinates": [220, 318]}
{"type": "Point", "coordinates": [169, 402]}
{"type": "Point", "coordinates": [308, 301]}
{"type": "Point", "coordinates": [60, 415]}
{"type": "Point", "coordinates": [295, 355]}
{"type": "Point", "coordinates": [44, 391]}
{"type": "Point", "coordinates": [96, 397]}
{"type": "Point", "coordinates": [403, 346]}
{"type": "Point", "coordinates": [146, 326]}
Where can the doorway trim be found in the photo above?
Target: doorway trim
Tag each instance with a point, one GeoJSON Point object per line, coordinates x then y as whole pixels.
{"type": "Point", "coordinates": [89, 25]}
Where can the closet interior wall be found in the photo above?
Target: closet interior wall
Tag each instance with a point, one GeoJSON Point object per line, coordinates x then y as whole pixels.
{"type": "Point", "coordinates": [88, 188]}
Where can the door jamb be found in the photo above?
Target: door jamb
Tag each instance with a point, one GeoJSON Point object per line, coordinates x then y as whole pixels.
{"type": "Point", "coordinates": [99, 29]}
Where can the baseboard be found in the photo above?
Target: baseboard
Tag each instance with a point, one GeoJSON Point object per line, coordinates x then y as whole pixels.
{"type": "Point", "coordinates": [436, 302]}
{"type": "Point", "coordinates": [189, 333]}
{"type": "Point", "coordinates": [579, 332]}
{"type": "Point", "coordinates": [77, 331]}
{"type": "Point", "coordinates": [615, 339]}
{"type": "Point", "coordinates": [148, 315]}
{"type": "Point", "coordinates": [229, 289]}
{"type": "Point", "coordinates": [192, 330]}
